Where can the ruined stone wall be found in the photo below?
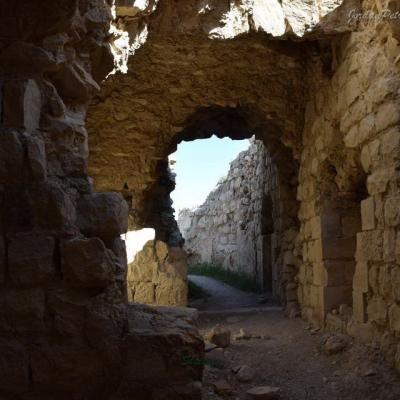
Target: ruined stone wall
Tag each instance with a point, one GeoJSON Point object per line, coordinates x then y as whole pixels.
{"type": "Point", "coordinates": [342, 147]}
{"type": "Point", "coordinates": [349, 187]}
{"type": "Point", "coordinates": [66, 331]}
{"type": "Point", "coordinates": [158, 275]}
{"type": "Point", "coordinates": [226, 229]}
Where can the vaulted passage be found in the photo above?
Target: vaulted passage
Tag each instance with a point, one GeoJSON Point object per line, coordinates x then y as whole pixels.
{"type": "Point", "coordinates": [94, 97]}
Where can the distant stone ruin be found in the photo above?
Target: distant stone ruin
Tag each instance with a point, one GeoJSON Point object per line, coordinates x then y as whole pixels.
{"type": "Point", "coordinates": [234, 227]}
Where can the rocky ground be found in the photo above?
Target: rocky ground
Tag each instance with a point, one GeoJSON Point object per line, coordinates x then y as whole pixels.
{"type": "Point", "coordinates": [305, 364]}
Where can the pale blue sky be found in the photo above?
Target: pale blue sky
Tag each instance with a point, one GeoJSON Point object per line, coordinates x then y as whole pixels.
{"type": "Point", "coordinates": [199, 166]}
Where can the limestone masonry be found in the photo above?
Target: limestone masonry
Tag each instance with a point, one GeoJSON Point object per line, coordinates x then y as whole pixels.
{"type": "Point", "coordinates": [234, 226]}
{"type": "Point", "coordinates": [94, 96]}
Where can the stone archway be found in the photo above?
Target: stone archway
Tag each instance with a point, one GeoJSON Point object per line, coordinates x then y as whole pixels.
{"type": "Point", "coordinates": [67, 331]}
{"type": "Point", "coordinates": [279, 181]}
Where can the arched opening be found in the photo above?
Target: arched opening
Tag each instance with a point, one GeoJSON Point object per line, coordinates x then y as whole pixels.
{"type": "Point", "coordinates": [258, 243]}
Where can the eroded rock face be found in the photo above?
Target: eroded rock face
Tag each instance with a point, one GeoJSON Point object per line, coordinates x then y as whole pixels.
{"type": "Point", "coordinates": [66, 330]}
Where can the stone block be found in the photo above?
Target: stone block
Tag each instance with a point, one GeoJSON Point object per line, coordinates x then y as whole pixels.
{"type": "Point", "coordinates": [74, 84]}
{"type": "Point", "coordinates": [368, 214]}
{"type": "Point", "coordinates": [394, 318]}
{"type": "Point", "coordinates": [172, 291]}
{"type": "Point", "coordinates": [392, 211]}
{"type": "Point", "coordinates": [389, 245]}
{"type": "Point", "coordinates": [31, 259]}
{"type": "Point", "coordinates": [362, 331]}
{"type": "Point", "coordinates": [352, 138]}
{"type": "Point", "coordinates": [11, 157]}
{"type": "Point", "coordinates": [291, 292]}
{"type": "Point", "coordinates": [366, 159]}
{"type": "Point", "coordinates": [359, 306]}
{"type": "Point", "coordinates": [22, 103]}
{"type": "Point", "coordinates": [388, 114]}
{"type": "Point", "coordinates": [53, 206]}
{"type": "Point", "coordinates": [86, 263]}
{"type": "Point", "coordinates": [145, 293]}
{"type": "Point", "coordinates": [102, 214]}
{"type": "Point", "coordinates": [140, 271]}
{"type": "Point", "coordinates": [334, 323]}
{"type": "Point", "coordinates": [397, 248]}
{"type": "Point", "coordinates": [369, 246]}
{"type": "Point", "coordinates": [384, 281]}
{"type": "Point", "coordinates": [360, 280]}
{"type": "Point", "coordinates": [167, 361]}
{"type": "Point", "coordinates": [68, 366]}
{"type": "Point", "coordinates": [377, 310]}
{"type": "Point", "coordinates": [319, 274]}
{"type": "Point", "coordinates": [378, 181]}
{"type": "Point", "coordinates": [316, 231]}
{"type": "Point", "coordinates": [315, 251]}
{"type": "Point", "coordinates": [395, 280]}
{"type": "Point", "coordinates": [37, 157]}
{"type": "Point", "coordinates": [390, 144]}
{"type": "Point", "coordinates": [316, 300]}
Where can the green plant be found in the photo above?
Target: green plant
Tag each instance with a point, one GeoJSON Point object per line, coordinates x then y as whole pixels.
{"type": "Point", "coordinates": [236, 279]}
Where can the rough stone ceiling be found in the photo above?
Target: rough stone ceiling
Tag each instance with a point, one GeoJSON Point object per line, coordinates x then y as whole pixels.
{"type": "Point", "coordinates": [216, 19]}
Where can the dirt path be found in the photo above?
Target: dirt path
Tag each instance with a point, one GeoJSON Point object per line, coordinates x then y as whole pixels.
{"type": "Point", "coordinates": [289, 354]}
{"type": "Point", "coordinates": [221, 295]}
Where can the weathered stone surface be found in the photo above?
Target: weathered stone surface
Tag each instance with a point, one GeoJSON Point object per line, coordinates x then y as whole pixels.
{"type": "Point", "coordinates": [22, 104]}
{"type": "Point", "coordinates": [102, 214]}
{"type": "Point", "coordinates": [52, 205]}
{"type": "Point", "coordinates": [170, 342]}
{"type": "Point", "coordinates": [74, 84]}
{"type": "Point", "coordinates": [245, 373]}
{"type": "Point", "coordinates": [11, 157]}
{"type": "Point", "coordinates": [31, 259]}
{"type": "Point", "coordinates": [219, 335]}
{"type": "Point", "coordinates": [368, 214]}
{"type": "Point", "coordinates": [158, 275]}
{"type": "Point", "coordinates": [86, 263]}
{"type": "Point", "coordinates": [336, 344]}
{"type": "Point", "coordinates": [222, 387]}
{"type": "Point", "coordinates": [37, 157]}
